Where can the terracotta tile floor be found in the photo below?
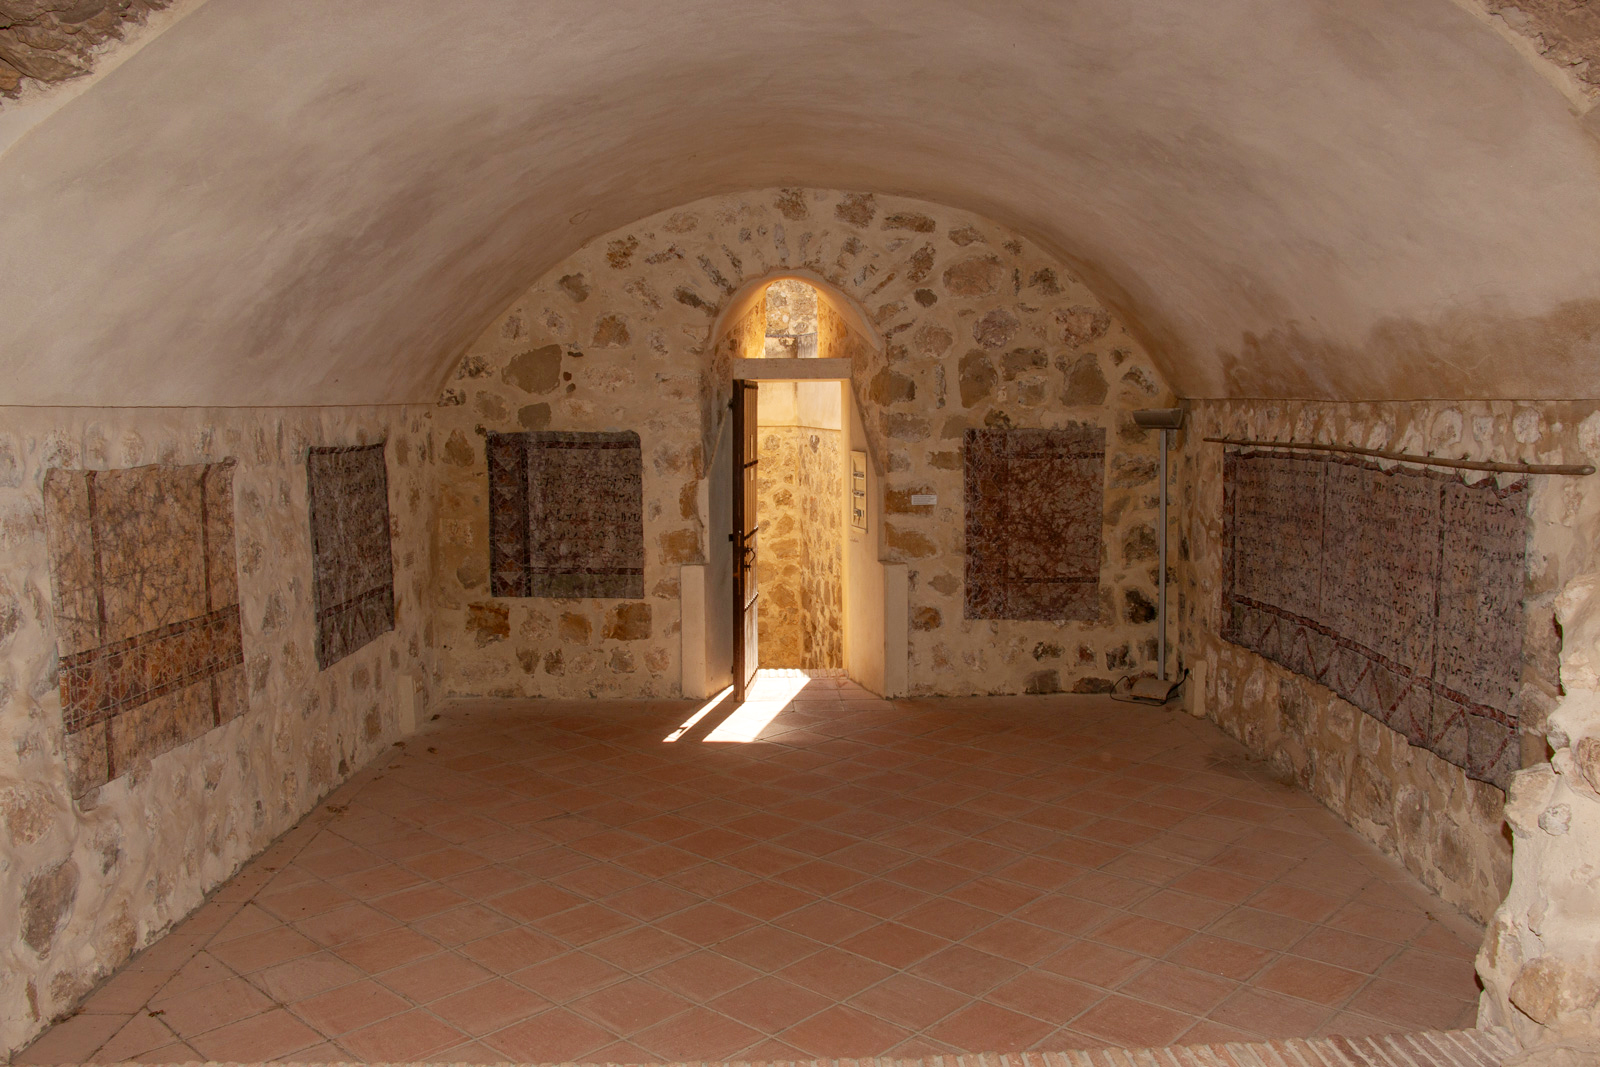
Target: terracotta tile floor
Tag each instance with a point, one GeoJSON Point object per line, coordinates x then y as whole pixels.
{"type": "Point", "coordinates": [544, 881]}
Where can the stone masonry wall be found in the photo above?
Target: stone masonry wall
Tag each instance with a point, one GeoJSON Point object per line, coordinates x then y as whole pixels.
{"type": "Point", "coordinates": [820, 503]}
{"type": "Point", "coordinates": [1446, 828]}
{"type": "Point", "coordinates": [779, 555]}
{"type": "Point", "coordinates": [800, 560]}
{"type": "Point", "coordinates": [977, 328]}
{"type": "Point", "coordinates": [85, 883]}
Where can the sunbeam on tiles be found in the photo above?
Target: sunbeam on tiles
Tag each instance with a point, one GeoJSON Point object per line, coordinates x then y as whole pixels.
{"type": "Point", "coordinates": [772, 692]}
{"type": "Point", "coordinates": [705, 709]}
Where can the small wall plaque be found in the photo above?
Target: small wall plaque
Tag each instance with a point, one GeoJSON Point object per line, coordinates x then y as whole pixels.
{"type": "Point", "coordinates": [858, 491]}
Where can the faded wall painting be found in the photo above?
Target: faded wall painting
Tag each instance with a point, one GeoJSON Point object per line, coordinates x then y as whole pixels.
{"type": "Point", "coordinates": [1399, 590]}
{"type": "Point", "coordinates": [1035, 509]}
{"type": "Point", "coordinates": [147, 611]}
{"type": "Point", "coordinates": [566, 514]}
{"type": "Point", "coordinates": [792, 310]}
{"type": "Point", "coordinates": [352, 565]}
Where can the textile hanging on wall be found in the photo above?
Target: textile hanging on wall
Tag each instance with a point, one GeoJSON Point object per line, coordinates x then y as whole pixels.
{"type": "Point", "coordinates": [1400, 590]}
{"type": "Point", "coordinates": [351, 563]}
{"type": "Point", "coordinates": [147, 611]}
{"type": "Point", "coordinates": [1035, 509]}
{"type": "Point", "coordinates": [566, 514]}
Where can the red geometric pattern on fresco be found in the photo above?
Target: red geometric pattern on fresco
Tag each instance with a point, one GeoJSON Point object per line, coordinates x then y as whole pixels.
{"type": "Point", "coordinates": [99, 683]}
{"type": "Point", "coordinates": [1400, 590]}
{"type": "Point", "coordinates": [566, 514]}
{"type": "Point", "coordinates": [1035, 502]}
{"type": "Point", "coordinates": [147, 611]}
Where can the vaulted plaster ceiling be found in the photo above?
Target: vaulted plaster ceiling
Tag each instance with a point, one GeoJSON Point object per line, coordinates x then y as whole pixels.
{"type": "Point", "coordinates": [302, 202]}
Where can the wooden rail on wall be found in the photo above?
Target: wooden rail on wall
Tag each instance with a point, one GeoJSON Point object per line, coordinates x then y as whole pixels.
{"type": "Point", "coordinates": [1579, 469]}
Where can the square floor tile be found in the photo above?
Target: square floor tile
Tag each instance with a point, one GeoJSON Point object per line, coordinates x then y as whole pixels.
{"type": "Point", "coordinates": [893, 944]}
{"type": "Point", "coordinates": [197, 1011]}
{"type": "Point", "coordinates": [1128, 1023]}
{"type": "Point", "coordinates": [908, 1001]}
{"type": "Point", "coordinates": [1319, 983]}
{"type": "Point", "coordinates": [1045, 996]}
{"type": "Point", "coordinates": [991, 1027]}
{"type": "Point", "coordinates": [483, 1009]}
{"type": "Point", "coordinates": [967, 970]}
{"type": "Point", "coordinates": [840, 1032]}
{"type": "Point", "coordinates": [350, 1007]}
{"type": "Point", "coordinates": [272, 1035]}
{"type": "Point", "coordinates": [1179, 988]}
{"type": "Point", "coordinates": [416, 1035]}
{"type": "Point", "coordinates": [703, 975]}
{"type": "Point", "coordinates": [630, 1005]}
{"type": "Point", "coordinates": [835, 973]}
{"type": "Point", "coordinates": [568, 977]}
{"type": "Point", "coordinates": [770, 1004]}
{"type": "Point", "coordinates": [428, 979]}
{"type": "Point", "coordinates": [698, 1033]}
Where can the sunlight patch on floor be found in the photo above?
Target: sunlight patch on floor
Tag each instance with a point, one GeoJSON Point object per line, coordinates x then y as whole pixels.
{"type": "Point", "coordinates": [769, 694]}
{"type": "Point", "coordinates": [705, 709]}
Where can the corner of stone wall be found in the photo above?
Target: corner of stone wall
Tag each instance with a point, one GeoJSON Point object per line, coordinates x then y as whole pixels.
{"type": "Point", "coordinates": [1540, 963]}
{"type": "Point", "coordinates": [1540, 959]}
{"type": "Point", "coordinates": [1445, 828]}
{"type": "Point", "coordinates": [1426, 813]}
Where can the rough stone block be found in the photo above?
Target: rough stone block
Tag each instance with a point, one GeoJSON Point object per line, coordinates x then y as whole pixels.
{"type": "Point", "coordinates": [47, 899]}
{"type": "Point", "coordinates": [628, 622]}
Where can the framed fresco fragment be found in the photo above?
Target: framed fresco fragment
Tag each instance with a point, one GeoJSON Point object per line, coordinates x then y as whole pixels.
{"type": "Point", "coordinates": [1400, 590]}
{"type": "Point", "coordinates": [1035, 507]}
{"type": "Point", "coordinates": [566, 514]}
{"type": "Point", "coordinates": [352, 561]}
{"type": "Point", "coordinates": [146, 598]}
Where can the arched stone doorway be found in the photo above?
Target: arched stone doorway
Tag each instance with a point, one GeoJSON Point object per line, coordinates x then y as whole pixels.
{"type": "Point", "coordinates": [826, 598]}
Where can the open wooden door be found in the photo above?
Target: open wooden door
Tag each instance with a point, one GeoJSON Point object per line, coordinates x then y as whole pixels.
{"type": "Point", "coordinates": [746, 653]}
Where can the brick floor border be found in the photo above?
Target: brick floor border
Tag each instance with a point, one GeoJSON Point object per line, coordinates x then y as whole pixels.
{"type": "Point", "coordinates": [1430, 1048]}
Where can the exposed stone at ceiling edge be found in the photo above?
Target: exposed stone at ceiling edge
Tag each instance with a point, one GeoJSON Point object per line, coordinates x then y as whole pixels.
{"type": "Point", "coordinates": [47, 41]}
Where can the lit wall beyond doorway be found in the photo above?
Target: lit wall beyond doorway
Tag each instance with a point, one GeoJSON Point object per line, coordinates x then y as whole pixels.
{"type": "Point", "coordinates": [800, 509]}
